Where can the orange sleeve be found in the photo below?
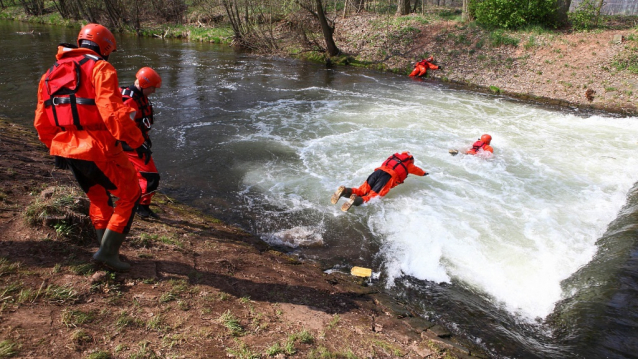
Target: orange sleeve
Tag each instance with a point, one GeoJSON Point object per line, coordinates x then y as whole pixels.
{"type": "Point", "coordinates": [488, 148]}
{"type": "Point", "coordinates": [46, 131]}
{"type": "Point", "coordinates": [133, 105]}
{"type": "Point", "coordinates": [412, 169]}
{"type": "Point", "coordinates": [108, 99]}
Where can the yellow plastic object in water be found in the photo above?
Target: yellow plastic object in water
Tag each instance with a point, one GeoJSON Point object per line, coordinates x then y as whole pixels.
{"type": "Point", "coordinates": [361, 272]}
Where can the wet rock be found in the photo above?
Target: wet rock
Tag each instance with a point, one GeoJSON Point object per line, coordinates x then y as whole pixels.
{"type": "Point", "coordinates": [439, 331]}
{"type": "Point", "coordinates": [421, 350]}
{"type": "Point", "coordinates": [389, 306]}
{"type": "Point", "coordinates": [419, 324]}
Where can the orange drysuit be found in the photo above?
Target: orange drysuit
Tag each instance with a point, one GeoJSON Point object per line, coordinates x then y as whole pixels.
{"type": "Point", "coordinates": [147, 173]}
{"type": "Point", "coordinates": [94, 153]}
{"type": "Point", "coordinates": [478, 145]}
{"type": "Point", "coordinates": [391, 174]}
{"type": "Point", "coordinates": [421, 67]}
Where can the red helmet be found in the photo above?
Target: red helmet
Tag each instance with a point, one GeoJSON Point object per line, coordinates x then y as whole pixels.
{"type": "Point", "coordinates": [147, 77]}
{"type": "Point", "coordinates": [486, 138]}
{"type": "Point", "coordinates": [99, 35]}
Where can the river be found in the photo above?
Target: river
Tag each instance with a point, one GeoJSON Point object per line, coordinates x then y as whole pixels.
{"type": "Point", "coordinates": [529, 253]}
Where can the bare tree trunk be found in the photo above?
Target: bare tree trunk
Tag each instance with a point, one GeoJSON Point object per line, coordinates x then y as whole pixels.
{"type": "Point", "coordinates": [234, 18]}
{"type": "Point", "coordinates": [465, 15]}
{"type": "Point", "coordinates": [562, 8]}
{"type": "Point", "coordinates": [403, 8]}
{"type": "Point", "coordinates": [327, 30]}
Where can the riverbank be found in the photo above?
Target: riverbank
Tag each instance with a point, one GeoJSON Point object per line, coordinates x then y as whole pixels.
{"type": "Point", "coordinates": [589, 70]}
{"type": "Point", "coordinates": [198, 287]}
{"type": "Point", "coordinates": [595, 69]}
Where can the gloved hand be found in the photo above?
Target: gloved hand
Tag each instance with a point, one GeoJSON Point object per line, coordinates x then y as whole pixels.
{"type": "Point", "coordinates": [440, 67]}
{"type": "Point", "coordinates": [144, 151]}
{"type": "Point", "coordinates": [425, 174]}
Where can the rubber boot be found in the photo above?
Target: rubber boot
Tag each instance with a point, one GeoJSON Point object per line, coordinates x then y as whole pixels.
{"type": "Point", "coordinates": [109, 252]}
{"type": "Point", "coordinates": [342, 191]}
{"type": "Point", "coordinates": [100, 234]}
{"type": "Point", "coordinates": [144, 211]}
{"type": "Point", "coordinates": [353, 201]}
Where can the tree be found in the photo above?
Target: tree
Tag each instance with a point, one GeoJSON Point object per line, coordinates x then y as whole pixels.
{"type": "Point", "coordinates": [327, 26]}
{"type": "Point", "coordinates": [465, 14]}
{"type": "Point", "coordinates": [404, 7]}
{"type": "Point", "coordinates": [562, 8]}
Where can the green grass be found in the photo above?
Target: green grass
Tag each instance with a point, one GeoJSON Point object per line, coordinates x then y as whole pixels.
{"type": "Point", "coordinates": [231, 323]}
{"type": "Point", "coordinates": [242, 351]}
{"type": "Point", "coordinates": [61, 294]}
{"type": "Point", "coordinates": [500, 38]}
{"type": "Point", "coordinates": [8, 349]}
{"type": "Point", "coordinates": [8, 267]}
{"type": "Point", "coordinates": [73, 318]}
{"type": "Point", "coordinates": [100, 355]}
{"type": "Point", "coordinates": [80, 337]}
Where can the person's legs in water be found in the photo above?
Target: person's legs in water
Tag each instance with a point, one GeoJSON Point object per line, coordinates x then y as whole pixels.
{"type": "Point", "coordinates": [342, 191]}
{"type": "Point", "coordinates": [370, 189]}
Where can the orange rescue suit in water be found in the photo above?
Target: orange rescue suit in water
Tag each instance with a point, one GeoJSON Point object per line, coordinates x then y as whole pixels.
{"type": "Point", "coordinates": [482, 144]}
{"type": "Point", "coordinates": [391, 174]}
{"type": "Point", "coordinates": [421, 67]}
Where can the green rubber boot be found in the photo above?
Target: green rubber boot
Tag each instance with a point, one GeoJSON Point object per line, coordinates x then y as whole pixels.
{"type": "Point", "coordinates": [109, 252]}
{"type": "Point", "coordinates": [100, 234]}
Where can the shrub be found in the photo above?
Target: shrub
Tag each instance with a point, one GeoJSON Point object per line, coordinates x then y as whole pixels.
{"type": "Point", "coordinates": [512, 14]}
{"type": "Point", "coordinates": [586, 15]}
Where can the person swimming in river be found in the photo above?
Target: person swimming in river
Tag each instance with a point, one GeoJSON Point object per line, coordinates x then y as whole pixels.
{"type": "Point", "coordinates": [482, 145]}
{"type": "Point", "coordinates": [391, 174]}
{"type": "Point", "coordinates": [421, 67]}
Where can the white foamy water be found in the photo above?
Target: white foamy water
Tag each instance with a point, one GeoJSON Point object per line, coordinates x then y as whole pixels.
{"type": "Point", "coordinates": [512, 225]}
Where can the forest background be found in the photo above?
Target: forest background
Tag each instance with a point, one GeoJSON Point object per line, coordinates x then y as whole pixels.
{"type": "Point", "coordinates": [563, 52]}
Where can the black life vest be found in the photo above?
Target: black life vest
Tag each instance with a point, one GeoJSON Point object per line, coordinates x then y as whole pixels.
{"type": "Point", "coordinates": [398, 163]}
{"type": "Point", "coordinates": [144, 117]}
{"type": "Point", "coordinates": [69, 97]}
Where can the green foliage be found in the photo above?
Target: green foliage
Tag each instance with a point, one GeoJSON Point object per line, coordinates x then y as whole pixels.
{"type": "Point", "coordinates": [514, 14]}
{"type": "Point", "coordinates": [499, 38]}
{"type": "Point", "coordinates": [586, 15]}
{"type": "Point", "coordinates": [495, 89]}
{"type": "Point", "coordinates": [627, 60]}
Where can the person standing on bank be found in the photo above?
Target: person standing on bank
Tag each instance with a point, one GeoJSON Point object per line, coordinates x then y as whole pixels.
{"type": "Point", "coordinates": [391, 174]}
{"type": "Point", "coordinates": [136, 97]}
{"type": "Point", "coordinates": [80, 117]}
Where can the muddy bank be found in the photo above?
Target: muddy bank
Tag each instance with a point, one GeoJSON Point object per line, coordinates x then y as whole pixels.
{"type": "Point", "coordinates": [587, 70]}
{"type": "Point", "coordinates": [198, 287]}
